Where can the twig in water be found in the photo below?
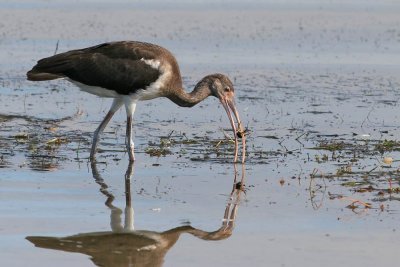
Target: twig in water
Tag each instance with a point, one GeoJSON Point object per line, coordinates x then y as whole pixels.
{"type": "Point", "coordinates": [217, 145]}
{"type": "Point", "coordinates": [227, 136]}
{"type": "Point", "coordinates": [55, 51]}
{"type": "Point", "coordinates": [313, 194]}
{"type": "Point", "coordinates": [353, 201]}
{"type": "Point", "coordinates": [372, 169]}
{"type": "Point", "coordinates": [367, 118]}
{"type": "Point", "coordinates": [298, 137]}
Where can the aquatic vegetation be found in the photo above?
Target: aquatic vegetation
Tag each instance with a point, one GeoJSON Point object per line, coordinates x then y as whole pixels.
{"type": "Point", "coordinates": [387, 145]}
{"type": "Point", "coordinates": [330, 145]}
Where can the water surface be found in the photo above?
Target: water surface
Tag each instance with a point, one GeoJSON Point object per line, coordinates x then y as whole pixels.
{"type": "Point", "coordinates": [316, 85]}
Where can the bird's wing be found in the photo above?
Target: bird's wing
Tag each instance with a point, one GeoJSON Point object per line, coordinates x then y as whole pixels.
{"type": "Point", "coordinates": [115, 66]}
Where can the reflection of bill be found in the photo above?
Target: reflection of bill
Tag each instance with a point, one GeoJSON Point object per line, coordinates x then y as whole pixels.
{"type": "Point", "coordinates": [124, 246]}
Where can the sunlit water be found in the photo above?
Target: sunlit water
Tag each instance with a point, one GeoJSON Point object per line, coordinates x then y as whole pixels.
{"type": "Point", "coordinates": [306, 76]}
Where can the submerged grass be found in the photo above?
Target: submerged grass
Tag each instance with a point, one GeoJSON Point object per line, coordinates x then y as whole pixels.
{"type": "Point", "coordinates": [387, 145]}
{"type": "Point", "coordinates": [330, 145]}
{"type": "Point", "coordinates": [362, 167]}
{"type": "Point", "coordinates": [204, 147]}
{"type": "Point", "coordinates": [358, 166]}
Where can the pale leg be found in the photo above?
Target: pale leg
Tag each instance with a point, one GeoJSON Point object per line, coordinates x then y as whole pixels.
{"type": "Point", "coordinates": [129, 213]}
{"type": "Point", "coordinates": [130, 110]}
{"type": "Point", "coordinates": [117, 103]}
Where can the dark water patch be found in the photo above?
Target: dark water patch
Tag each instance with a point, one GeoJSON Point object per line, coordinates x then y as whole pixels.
{"type": "Point", "coordinates": [316, 112]}
{"type": "Point", "coordinates": [269, 136]}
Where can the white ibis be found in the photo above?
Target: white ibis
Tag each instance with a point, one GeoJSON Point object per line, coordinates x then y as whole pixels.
{"type": "Point", "coordinates": [130, 71]}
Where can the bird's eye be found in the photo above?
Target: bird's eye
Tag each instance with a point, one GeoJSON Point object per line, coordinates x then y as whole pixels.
{"type": "Point", "coordinates": [227, 89]}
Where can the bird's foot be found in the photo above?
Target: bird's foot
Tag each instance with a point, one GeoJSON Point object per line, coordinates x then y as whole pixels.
{"type": "Point", "coordinates": [131, 154]}
{"type": "Point", "coordinates": [93, 160]}
{"type": "Point", "coordinates": [131, 150]}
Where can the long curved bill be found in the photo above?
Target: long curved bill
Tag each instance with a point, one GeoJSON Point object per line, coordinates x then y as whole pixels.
{"type": "Point", "coordinates": [230, 107]}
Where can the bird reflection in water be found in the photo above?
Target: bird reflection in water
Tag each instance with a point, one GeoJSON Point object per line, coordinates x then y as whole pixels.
{"type": "Point", "coordinates": [124, 246]}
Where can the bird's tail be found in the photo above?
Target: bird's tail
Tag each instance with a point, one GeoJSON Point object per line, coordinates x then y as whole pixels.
{"type": "Point", "coordinates": [33, 75]}
{"type": "Point", "coordinates": [51, 68]}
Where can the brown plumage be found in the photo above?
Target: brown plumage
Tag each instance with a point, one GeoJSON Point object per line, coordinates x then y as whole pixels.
{"type": "Point", "coordinates": [130, 71]}
{"type": "Point", "coordinates": [115, 66]}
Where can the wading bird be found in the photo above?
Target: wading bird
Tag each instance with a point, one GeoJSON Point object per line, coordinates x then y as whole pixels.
{"type": "Point", "coordinates": [130, 71]}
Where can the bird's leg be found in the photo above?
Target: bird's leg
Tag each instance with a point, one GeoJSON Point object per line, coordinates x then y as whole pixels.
{"type": "Point", "coordinates": [129, 213]}
{"type": "Point", "coordinates": [130, 146]}
{"type": "Point", "coordinates": [130, 110]}
{"type": "Point", "coordinates": [117, 103]}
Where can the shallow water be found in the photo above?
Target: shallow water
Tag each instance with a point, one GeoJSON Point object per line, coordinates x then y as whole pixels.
{"type": "Point", "coordinates": [317, 86]}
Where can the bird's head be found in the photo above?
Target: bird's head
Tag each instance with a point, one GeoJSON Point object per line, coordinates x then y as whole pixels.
{"type": "Point", "coordinates": [222, 88]}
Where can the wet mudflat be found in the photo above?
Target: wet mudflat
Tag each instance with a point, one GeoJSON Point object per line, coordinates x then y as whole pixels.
{"type": "Point", "coordinates": [317, 86]}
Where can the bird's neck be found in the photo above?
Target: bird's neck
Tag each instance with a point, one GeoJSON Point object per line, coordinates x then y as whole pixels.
{"type": "Point", "coordinates": [185, 99]}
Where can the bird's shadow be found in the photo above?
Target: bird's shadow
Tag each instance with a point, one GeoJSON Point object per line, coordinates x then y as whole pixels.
{"type": "Point", "coordinates": [125, 246]}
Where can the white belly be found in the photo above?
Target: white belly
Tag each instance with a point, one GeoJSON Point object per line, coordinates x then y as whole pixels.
{"type": "Point", "coordinates": [95, 90]}
{"type": "Point", "coordinates": [149, 93]}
